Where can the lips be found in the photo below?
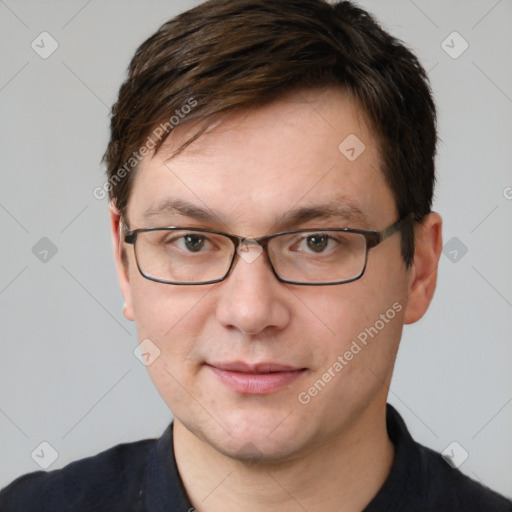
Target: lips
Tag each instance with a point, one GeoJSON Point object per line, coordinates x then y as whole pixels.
{"type": "Point", "coordinates": [255, 379]}
{"type": "Point", "coordinates": [239, 366]}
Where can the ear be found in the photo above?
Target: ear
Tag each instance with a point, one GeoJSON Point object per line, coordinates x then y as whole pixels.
{"type": "Point", "coordinates": [423, 272]}
{"type": "Point", "coordinates": [122, 270]}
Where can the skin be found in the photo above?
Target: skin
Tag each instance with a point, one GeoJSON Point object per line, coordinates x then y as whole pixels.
{"type": "Point", "coordinates": [270, 452]}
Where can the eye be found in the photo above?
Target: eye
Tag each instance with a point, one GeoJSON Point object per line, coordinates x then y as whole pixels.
{"type": "Point", "coordinates": [317, 242]}
{"type": "Point", "coordinates": [194, 243]}
{"type": "Point", "coordinates": [188, 242]}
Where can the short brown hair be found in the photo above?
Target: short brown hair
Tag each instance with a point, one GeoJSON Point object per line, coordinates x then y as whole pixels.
{"type": "Point", "coordinates": [232, 54]}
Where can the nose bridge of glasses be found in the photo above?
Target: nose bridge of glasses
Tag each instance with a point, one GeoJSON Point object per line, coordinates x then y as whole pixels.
{"type": "Point", "coordinates": [249, 249]}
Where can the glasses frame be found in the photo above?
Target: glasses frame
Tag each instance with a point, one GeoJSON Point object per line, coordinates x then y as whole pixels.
{"type": "Point", "coordinates": [372, 238]}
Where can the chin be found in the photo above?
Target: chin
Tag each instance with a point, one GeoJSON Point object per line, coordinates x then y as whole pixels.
{"type": "Point", "coordinates": [257, 436]}
{"type": "Point", "coordinates": [259, 449]}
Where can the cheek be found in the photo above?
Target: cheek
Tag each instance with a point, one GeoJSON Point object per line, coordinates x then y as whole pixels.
{"type": "Point", "coordinates": [171, 316]}
{"type": "Point", "coordinates": [358, 353]}
{"type": "Point", "coordinates": [358, 313]}
{"type": "Point", "coordinates": [339, 312]}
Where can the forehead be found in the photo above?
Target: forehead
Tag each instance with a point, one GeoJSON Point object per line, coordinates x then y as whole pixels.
{"type": "Point", "coordinates": [307, 149]}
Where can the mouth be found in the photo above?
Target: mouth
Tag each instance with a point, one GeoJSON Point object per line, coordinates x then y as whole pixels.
{"type": "Point", "coordinates": [255, 379]}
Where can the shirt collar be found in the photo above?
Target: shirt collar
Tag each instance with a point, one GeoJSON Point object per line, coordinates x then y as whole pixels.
{"type": "Point", "coordinates": [405, 471]}
{"type": "Point", "coordinates": [163, 488]}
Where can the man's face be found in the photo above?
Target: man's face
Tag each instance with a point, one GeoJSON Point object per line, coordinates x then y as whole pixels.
{"type": "Point", "coordinates": [248, 175]}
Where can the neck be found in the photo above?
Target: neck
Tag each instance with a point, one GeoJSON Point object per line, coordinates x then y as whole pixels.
{"type": "Point", "coordinates": [341, 474]}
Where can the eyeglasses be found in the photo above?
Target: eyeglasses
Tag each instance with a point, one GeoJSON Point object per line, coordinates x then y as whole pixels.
{"type": "Point", "coordinates": [192, 256]}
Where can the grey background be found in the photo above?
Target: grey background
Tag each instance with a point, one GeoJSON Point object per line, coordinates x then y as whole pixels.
{"type": "Point", "coordinates": [68, 375]}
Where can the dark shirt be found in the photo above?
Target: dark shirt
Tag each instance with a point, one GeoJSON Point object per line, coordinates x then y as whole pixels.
{"type": "Point", "coordinates": [143, 477]}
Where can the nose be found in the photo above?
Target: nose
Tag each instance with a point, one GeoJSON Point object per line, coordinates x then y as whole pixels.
{"type": "Point", "coordinates": [252, 300]}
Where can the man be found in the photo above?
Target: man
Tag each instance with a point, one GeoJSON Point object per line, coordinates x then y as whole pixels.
{"type": "Point", "coordinates": [271, 172]}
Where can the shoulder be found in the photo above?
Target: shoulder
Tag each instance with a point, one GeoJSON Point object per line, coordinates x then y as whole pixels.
{"type": "Point", "coordinates": [422, 480]}
{"type": "Point", "coordinates": [449, 489]}
{"type": "Point", "coordinates": [109, 481]}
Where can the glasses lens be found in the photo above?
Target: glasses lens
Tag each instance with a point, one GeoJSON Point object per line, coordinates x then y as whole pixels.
{"type": "Point", "coordinates": [318, 257]}
{"type": "Point", "coordinates": [183, 256]}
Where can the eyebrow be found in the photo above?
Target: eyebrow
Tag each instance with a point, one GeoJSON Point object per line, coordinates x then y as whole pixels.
{"type": "Point", "coordinates": [182, 208]}
{"type": "Point", "coordinates": [342, 208]}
